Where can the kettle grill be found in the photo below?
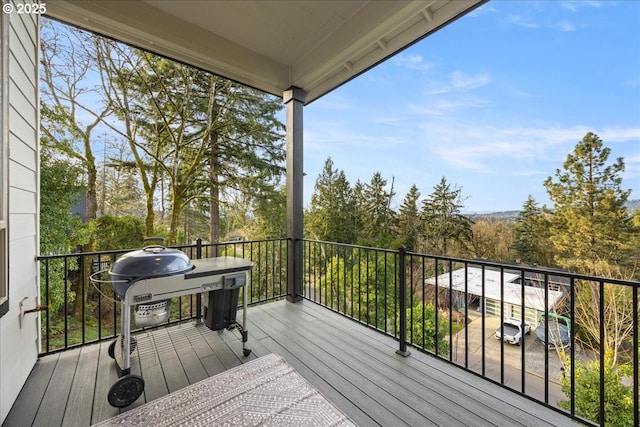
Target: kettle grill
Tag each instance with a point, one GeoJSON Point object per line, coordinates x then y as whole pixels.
{"type": "Point", "coordinates": [147, 279]}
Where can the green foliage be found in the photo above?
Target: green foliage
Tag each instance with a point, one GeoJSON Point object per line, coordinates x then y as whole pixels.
{"type": "Point", "coordinates": [443, 222]}
{"type": "Point", "coordinates": [206, 134]}
{"type": "Point", "coordinates": [112, 232]}
{"type": "Point", "coordinates": [119, 191]}
{"type": "Point", "coordinates": [409, 220]}
{"type": "Point", "coordinates": [60, 231]}
{"type": "Point", "coordinates": [371, 281]}
{"type": "Point", "coordinates": [270, 209]}
{"type": "Point", "coordinates": [331, 215]}
{"type": "Point", "coordinates": [184, 131]}
{"type": "Point", "coordinates": [269, 274]}
{"type": "Point", "coordinates": [618, 394]}
{"type": "Point", "coordinates": [52, 289]}
{"type": "Point", "coordinates": [490, 239]}
{"type": "Point", "coordinates": [60, 188]}
{"type": "Point", "coordinates": [423, 328]}
{"type": "Point", "coordinates": [589, 222]}
{"type": "Point", "coordinates": [356, 282]}
{"type": "Point", "coordinates": [531, 235]}
{"type": "Point", "coordinates": [376, 218]}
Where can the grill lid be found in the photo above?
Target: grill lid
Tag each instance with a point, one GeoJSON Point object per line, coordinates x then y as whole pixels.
{"type": "Point", "coordinates": [151, 261]}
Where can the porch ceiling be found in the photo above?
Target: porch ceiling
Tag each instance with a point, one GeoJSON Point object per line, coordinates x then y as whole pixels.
{"type": "Point", "coordinates": [270, 45]}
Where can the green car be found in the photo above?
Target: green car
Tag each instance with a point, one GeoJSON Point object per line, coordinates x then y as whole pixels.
{"type": "Point", "coordinates": [559, 330]}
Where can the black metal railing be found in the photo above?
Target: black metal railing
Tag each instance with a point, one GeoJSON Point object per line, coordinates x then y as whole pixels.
{"type": "Point", "coordinates": [452, 308]}
{"type": "Point", "coordinates": [448, 307]}
{"type": "Point", "coordinates": [79, 311]}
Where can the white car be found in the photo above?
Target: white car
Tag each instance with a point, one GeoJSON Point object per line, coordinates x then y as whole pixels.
{"type": "Point", "coordinates": [513, 331]}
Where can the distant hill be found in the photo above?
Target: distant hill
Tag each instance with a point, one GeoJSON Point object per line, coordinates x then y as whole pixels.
{"type": "Point", "coordinates": [507, 216]}
{"type": "Point", "coordinates": [511, 216]}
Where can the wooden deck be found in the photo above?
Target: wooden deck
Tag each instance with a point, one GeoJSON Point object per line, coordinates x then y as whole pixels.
{"type": "Point", "coordinates": [355, 367]}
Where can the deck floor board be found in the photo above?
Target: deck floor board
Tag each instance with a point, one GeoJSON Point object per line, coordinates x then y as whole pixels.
{"type": "Point", "coordinates": [354, 366]}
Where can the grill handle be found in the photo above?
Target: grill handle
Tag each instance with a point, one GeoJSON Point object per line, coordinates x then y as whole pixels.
{"type": "Point", "coordinates": [153, 239]}
{"type": "Point", "coordinates": [154, 248]}
{"type": "Point", "coordinates": [93, 278]}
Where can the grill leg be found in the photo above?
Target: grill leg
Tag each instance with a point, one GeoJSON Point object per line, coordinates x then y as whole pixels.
{"type": "Point", "coordinates": [245, 333]}
{"type": "Point", "coordinates": [122, 346]}
{"type": "Point", "coordinates": [126, 332]}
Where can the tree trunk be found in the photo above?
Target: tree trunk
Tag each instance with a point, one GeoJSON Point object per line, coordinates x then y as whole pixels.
{"type": "Point", "coordinates": [214, 165]}
{"type": "Point", "coordinates": [82, 287]}
{"type": "Point", "coordinates": [173, 225]}
{"type": "Point", "coordinates": [150, 218]}
{"type": "Point", "coordinates": [214, 190]}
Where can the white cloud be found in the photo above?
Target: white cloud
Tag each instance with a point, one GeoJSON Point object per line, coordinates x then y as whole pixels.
{"type": "Point", "coordinates": [626, 135]}
{"type": "Point", "coordinates": [444, 106]}
{"type": "Point", "coordinates": [462, 81]}
{"type": "Point", "coordinates": [566, 26]}
{"type": "Point", "coordinates": [336, 134]}
{"type": "Point", "coordinates": [333, 102]}
{"type": "Point", "coordinates": [574, 5]}
{"type": "Point", "coordinates": [413, 62]}
{"type": "Point", "coordinates": [530, 172]}
{"type": "Point", "coordinates": [523, 21]}
{"type": "Point", "coordinates": [480, 148]}
{"type": "Point", "coordinates": [482, 10]}
{"type": "Point", "coordinates": [569, 5]}
{"type": "Point", "coordinates": [458, 81]}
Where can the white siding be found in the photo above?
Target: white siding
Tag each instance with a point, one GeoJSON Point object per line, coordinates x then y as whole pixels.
{"type": "Point", "coordinates": [19, 345]}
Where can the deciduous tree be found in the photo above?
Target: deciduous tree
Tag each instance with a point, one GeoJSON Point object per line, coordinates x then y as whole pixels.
{"type": "Point", "coordinates": [201, 133]}
{"type": "Point", "coordinates": [618, 398]}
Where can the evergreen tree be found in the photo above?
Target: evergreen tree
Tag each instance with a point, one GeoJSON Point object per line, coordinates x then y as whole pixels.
{"type": "Point", "coordinates": [359, 211]}
{"type": "Point", "coordinates": [530, 244]}
{"type": "Point", "coordinates": [378, 218]}
{"type": "Point", "coordinates": [270, 215]}
{"type": "Point", "coordinates": [330, 217]}
{"type": "Point", "coordinates": [409, 219]}
{"type": "Point", "coordinates": [442, 220]}
{"type": "Point", "coordinates": [592, 233]}
{"type": "Point", "coordinates": [61, 231]}
{"type": "Point", "coordinates": [112, 233]}
{"type": "Point", "coordinates": [199, 132]}
{"type": "Point", "coordinates": [60, 188]}
{"type": "Point", "coordinates": [590, 223]}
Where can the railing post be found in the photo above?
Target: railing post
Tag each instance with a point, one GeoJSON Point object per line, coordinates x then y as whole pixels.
{"type": "Point", "coordinates": [402, 278]}
{"type": "Point", "coordinates": [198, 295]}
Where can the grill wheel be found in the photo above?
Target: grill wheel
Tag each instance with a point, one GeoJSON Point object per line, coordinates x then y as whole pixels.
{"type": "Point", "coordinates": [126, 391]}
{"type": "Point", "coordinates": [111, 351]}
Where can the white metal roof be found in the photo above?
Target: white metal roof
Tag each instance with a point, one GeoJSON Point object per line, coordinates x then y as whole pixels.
{"type": "Point", "coordinates": [533, 296]}
{"type": "Point", "coordinates": [271, 45]}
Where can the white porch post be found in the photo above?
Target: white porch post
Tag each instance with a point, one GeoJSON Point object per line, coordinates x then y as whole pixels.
{"type": "Point", "coordinates": [294, 98]}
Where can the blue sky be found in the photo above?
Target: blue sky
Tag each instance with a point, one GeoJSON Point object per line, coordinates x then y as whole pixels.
{"type": "Point", "coordinates": [494, 102]}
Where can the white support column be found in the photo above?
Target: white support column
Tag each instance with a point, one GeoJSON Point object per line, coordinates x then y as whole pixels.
{"type": "Point", "coordinates": [294, 99]}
